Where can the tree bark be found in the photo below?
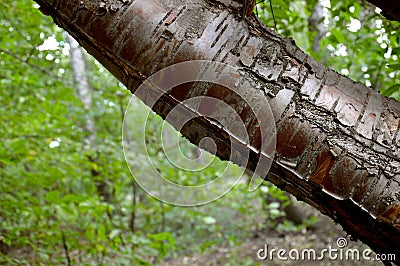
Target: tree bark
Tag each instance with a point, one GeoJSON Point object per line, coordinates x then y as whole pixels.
{"type": "Point", "coordinates": [338, 142]}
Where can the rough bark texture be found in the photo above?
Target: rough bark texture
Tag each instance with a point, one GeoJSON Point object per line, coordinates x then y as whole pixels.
{"type": "Point", "coordinates": [338, 142]}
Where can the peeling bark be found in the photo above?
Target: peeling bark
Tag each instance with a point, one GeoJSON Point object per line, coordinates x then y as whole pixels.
{"type": "Point", "coordinates": [338, 142]}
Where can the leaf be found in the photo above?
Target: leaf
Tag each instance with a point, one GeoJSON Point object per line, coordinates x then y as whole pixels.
{"type": "Point", "coordinates": [394, 66]}
{"type": "Point", "coordinates": [71, 198]}
{"type": "Point", "coordinates": [357, 9]}
{"type": "Point", "coordinates": [392, 90]}
{"type": "Point", "coordinates": [160, 236]}
{"type": "Point", "coordinates": [282, 4]}
{"type": "Point", "coordinates": [53, 196]}
{"type": "Point", "coordinates": [114, 233]}
{"type": "Point", "coordinates": [209, 220]}
{"type": "Point", "coordinates": [68, 210]}
{"type": "Point", "coordinates": [264, 189]}
{"type": "Point", "coordinates": [338, 35]}
{"type": "Point", "coordinates": [95, 167]}
{"type": "Point", "coordinates": [100, 247]}
{"type": "Point", "coordinates": [171, 240]}
{"type": "Point", "coordinates": [275, 212]}
{"type": "Point", "coordinates": [396, 50]}
{"type": "Point", "coordinates": [280, 13]}
{"type": "Point", "coordinates": [101, 232]}
{"type": "Point", "coordinates": [273, 205]}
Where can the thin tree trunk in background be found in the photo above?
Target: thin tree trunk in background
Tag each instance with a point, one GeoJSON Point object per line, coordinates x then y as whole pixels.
{"type": "Point", "coordinates": [127, 145]}
{"type": "Point", "coordinates": [316, 24]}
{"type": "Point", "coordinates": [83, 89]}
{"type": "Point", "coordinates": [84, 92]}
{"type": "Point", "coordinates": [338, 142]}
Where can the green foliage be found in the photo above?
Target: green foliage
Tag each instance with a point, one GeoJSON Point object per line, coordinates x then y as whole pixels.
{"type": "Point", "coordinates": [49, 196]}
{"type": "Point", "coordinates": [359, 42]}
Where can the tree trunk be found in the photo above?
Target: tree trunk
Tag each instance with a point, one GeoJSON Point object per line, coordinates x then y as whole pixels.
{"type": "Point", "coordinates": [84, 92]}
{"type": "Point", "coordinates": [338, 142]}
{"type": "Point", "coordinates": [316, 24]}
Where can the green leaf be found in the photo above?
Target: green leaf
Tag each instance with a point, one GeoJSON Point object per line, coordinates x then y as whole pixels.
{"type": "Point", "coordinates": [70, 198]}
{"type": "Point", "coordinates": [53, 196]}
{"type": "Point", "coordinates": [160, 236]}
{"type": "Point", "coordinates": [394, 66]}
{"type": "Point", "coordinates": [114, 233]}
{"type": "Point", "coordinates": [338, 35]}
{"type": "Point", "coordinates": [392, 90]}
{"type": "Point", "coordinates": [68, 210]}
{"type": "Point", "coordinates": [101, 232]}
{"type": "Point", "coordinates": [280, 14]}
{"type": "Point", "coordinates": [280, 3]}
{"type": "Point", "coordinates": [357, 9]}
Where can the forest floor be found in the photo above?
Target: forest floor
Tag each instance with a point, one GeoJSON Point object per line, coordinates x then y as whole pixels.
{"type": "Point", "coordinates": [325, 233]}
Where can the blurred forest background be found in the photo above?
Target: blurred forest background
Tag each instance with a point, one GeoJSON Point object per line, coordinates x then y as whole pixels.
{"type": "Point", "coordinates": [66, 194]}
